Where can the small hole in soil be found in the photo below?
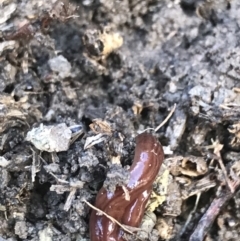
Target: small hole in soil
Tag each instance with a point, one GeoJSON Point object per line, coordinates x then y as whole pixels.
{"type": "Point", "coordinates": [9, 89]}
{"type": "Point", "coordinates": [16, 98]}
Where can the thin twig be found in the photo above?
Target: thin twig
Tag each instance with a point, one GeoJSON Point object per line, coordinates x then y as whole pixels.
{"type": "Point", "coordinates": [70, 198]}
{"type": "Point", "coordinates": [58, 179]}
{"type": "Point", "coordinates": [35, 165]}
{"type": "Point", "coordinates": [217, 147]}
{"type": "Point", "coordinates": [213, 211]}
{"type": "Point", "coordinates": [191, 214]}
{"type": "Point", "coordinates": [126, 192]}
{"type": "Point", "coordinates": [167, 118]}
{"type": "Point", "coordinates": [109, 217]}
{"type": "Point", "coordinates": [147, 129]}
{"type": "Point", "coordinates": [225, 173]}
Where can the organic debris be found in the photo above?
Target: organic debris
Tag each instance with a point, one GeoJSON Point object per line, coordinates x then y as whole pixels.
{"type": "Point", "coordinates": [79, 80]}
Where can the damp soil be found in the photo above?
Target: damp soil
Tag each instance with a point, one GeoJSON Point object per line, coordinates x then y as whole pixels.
{"type": "Point", "coordinates": [109, 70]}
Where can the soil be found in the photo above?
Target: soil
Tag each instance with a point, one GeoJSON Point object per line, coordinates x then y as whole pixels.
{"type": "Point", "coordinates": [100, 73]}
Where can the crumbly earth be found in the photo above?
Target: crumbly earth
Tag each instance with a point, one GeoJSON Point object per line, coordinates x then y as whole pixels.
{"type": "Point", "coordinates": [113, 71]}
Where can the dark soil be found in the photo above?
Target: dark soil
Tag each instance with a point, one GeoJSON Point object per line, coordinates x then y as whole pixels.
{"type": "Point", "coordinates": [184, 52]}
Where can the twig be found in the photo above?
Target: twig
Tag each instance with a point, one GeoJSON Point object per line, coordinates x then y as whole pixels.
{"type": "Point", "coordinates": [109, 217]}
{"type": "Point", "coordinates": [213, 211]}
{"type": "Point", "coordinates": [126, 192]}
{"type": "Point", "coordinates": [70, 198]}
{"type": "Point", "coordinates": [167, 118]}
{"type": "Point", "coordinates": [35, 165]}
{"type": "Point", "coordinates": [225, 173]}
{"type": "Point", "coordinates": [217, 148]}
{"type": "Point", "coordinates": [191, 214]}
{"type": "Point", "coordinates": [147, 129]}
{"type": "Point", "coordinates": [58, 179]}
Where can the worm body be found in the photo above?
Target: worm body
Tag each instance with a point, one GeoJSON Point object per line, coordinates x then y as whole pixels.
{"type": "Point", "coordinates": [146, 165]}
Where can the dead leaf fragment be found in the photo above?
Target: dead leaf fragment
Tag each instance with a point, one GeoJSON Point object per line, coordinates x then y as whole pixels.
{"type": "Point", "coordinates": [155, 201]}
{"type": "Point", "coordinates": [164, 229]}
{"type": "Point", "coordinates": [12, 112]}
{"type": "Point", "coordinates": [158, 199]}
{"type": "Point", "coordinates": [116, 159]}
{"type": "Point", "coordinates": [236, 131]}
{"type": "Point", "coordinates": [137, 108]}
{"type": "Point", "coordinates": [99, 44]}
{"type": "Point", "coordinates": [190, 166]}
{"type": "Point", "coordinates": [101, 126]}
{"type": "Point", "coordinates": [7, 45]}
{"type": "Point", "coordinates": [198, 186]}
{"type": "Point", "coordinates": [93, 140]}
{"type": "Point", "coordinates": [235, 170]}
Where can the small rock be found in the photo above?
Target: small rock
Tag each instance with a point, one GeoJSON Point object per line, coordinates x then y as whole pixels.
{"type": "Point", "coordinates": [21, 229]}
{"type": "Point", "coordinates": [60, 65]}
{"type": "Point", "coordinates": [50, 138]}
